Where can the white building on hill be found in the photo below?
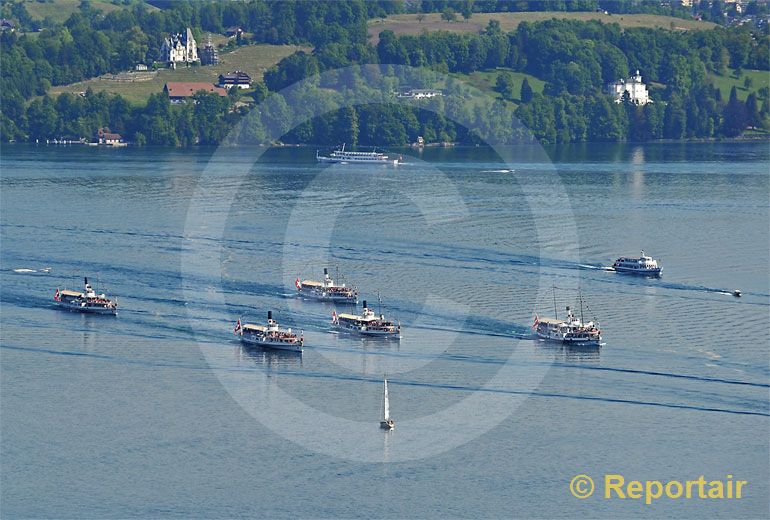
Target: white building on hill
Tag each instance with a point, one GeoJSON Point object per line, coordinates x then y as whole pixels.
{"type": "Point", "coordinates": [637, 90]}
{"type": "Point", "coordinates": [179, 48]}
{"type": "Point", "coordinates": [420, 93]}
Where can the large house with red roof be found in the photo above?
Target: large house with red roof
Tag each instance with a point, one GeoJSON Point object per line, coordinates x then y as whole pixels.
{"type": "Point", "coordinates": [180, 91]}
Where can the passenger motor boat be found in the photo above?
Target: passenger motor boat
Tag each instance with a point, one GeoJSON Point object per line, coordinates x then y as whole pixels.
{"type": "Point", "coordinates": [87, 301]}
{"type": "Point", "coordinates": [342, 156]}
{"type": "Point", "coordinates": [367, 324]}
{"type": "Point", "coordinates": [643, 265]}
{"type": "Point", "coordinates": [327, 290]}
{"type": "Point", "coordinates": [269, 336]}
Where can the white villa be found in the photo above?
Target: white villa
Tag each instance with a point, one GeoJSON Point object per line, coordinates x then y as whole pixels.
{"type": "Point", "coordinates": [635, 88]}
{"type": "Point", "coordinates": [179, 48]}
{"type": "Point", "coordinates": [418, 93]}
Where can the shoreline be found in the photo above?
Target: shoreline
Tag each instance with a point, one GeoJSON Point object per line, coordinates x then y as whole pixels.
{"type": "Point", "coordinates": [432, 146]}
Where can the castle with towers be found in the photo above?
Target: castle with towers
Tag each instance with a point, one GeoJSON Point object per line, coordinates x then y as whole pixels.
{"type": "Point", "coordinates": [179, 48]}
{"type": "Point", "coordinates": [637, 91]}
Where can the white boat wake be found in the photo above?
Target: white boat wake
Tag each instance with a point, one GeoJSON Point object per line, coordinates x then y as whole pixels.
{"type": "Point", "coordinates": [26, 270]}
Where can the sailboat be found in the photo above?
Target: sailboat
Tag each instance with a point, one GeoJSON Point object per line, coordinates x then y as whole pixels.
{"type": "Point", "coordinates": [386, 423]}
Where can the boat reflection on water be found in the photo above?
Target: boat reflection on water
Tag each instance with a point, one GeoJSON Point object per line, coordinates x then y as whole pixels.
{"type": "Point", "coordinates": [269, 357]}
{"type": "Point", "coordinates": [571, 353]}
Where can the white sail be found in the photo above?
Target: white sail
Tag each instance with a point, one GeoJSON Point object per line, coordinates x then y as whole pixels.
{"type": "Point", "coordinates": [385, 403]}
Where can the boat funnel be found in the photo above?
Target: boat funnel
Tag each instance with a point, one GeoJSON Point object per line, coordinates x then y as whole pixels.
{"type": "Point", "coordinates": [365, 307]}
{"type": "Point", "coordinates": [85, 278]}
{"type": "Point", "coordinates": [326, 271]}
{"type": "Point", "coordinates": [269, 315]}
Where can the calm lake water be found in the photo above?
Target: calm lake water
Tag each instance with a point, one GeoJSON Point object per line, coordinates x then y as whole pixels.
{"type": "Point", "coordinates": [159, 412]}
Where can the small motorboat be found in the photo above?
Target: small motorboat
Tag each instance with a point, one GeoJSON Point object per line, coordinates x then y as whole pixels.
{"type": "Point", "coordinates": [737, 293]}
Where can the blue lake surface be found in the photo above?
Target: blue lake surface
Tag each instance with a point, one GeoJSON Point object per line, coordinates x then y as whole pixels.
{"type": "Point", "coordinates": [159, 412]}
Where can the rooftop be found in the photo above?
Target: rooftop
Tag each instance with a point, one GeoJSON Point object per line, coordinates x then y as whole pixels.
{"type": "Point", "coordinates": [189, 89]}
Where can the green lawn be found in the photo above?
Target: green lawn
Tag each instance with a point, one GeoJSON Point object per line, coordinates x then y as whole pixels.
{"type": "Point", "coordinates": [409, 24]}
{"type": "Point", "coordinates": [759, 79]}
{"type": "Point", "coordinates": [252, 59]}
{"type": "Point", "coordinates": [485, 81]}
{"type": "Point", "coordinates": [59, 10]}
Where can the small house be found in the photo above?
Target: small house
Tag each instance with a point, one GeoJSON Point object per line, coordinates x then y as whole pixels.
{"type": "Point", "coordinates": [232, 32]}
{"type": "Point", "coordinates": [104, 136]}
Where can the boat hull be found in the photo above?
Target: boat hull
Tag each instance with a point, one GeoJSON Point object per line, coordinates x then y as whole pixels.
{"type": "Point", "coordinates": [355, 329]}
{"type": "Point", "coordinates": [567, 340]}
{"type": "Point", "coordinates": [76, 307]}
{"type": "Point", "coordinates": [326, 297]}
{"type": "Point", "coordinates": [335, 160]}
{"type": "Point", "coordinates": [273, 345]}
{"type": "Point", "coordinates": [644, 272]}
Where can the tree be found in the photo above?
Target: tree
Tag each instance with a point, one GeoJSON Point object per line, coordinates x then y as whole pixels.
{"type": "Point", "coordinates": [391, 49]}
{"type": "Point", "coordinates": [260, 92]}
{"type": "Point", "coordinates": [209, 117]}
{"type": "Point", "coordinates": [724, 62]}
{"type": "Point", "coordinates": [747, 82]}
{"type": "Point", "coordinates": [466, 9]}
{"type": "Point", "coordinates": [234, 94]}
{"type": "Point", "coordinates": [42, 117]}
{"type": "Point", "coordinates": [449, 15]}
{"type": "Point", "coordinates": [526, 92]}
{"type": "Point", "coordinates": [734, 121]}
{"type": "Point", "coordinates": [764, 114]}
{"type": "Point", "coordinates": [504, 85]}
{"type": "Point", "coordinates": [290, 70]}
{"type": "Point", "coordinates": [675, 118]}
{"type": "Point", "coordinates": [753, 117]}
{"type": "Point", "coordinates": [347, 120]}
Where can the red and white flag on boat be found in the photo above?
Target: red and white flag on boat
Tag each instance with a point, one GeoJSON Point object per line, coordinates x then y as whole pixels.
{"type": "Point", "coordinates": [298, 284]}
{"type": "Point", "coordinates": [334, 317]}
{"type": "Point", "coordinates": [537, 320]}
{"type": "Point", "coordinates": [57, 296]}
{"type": "Point", "coordinates": [237, 327]}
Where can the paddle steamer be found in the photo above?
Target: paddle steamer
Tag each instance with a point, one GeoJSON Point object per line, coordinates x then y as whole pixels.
{"type": "Point", "coordinates": [87, 301]}
{"type": "Point", "coordinates": [570, 331]}
{"type": "Point", "coordinates": [327, 290]}
{"type": "Point", "coordinates": [367, 324]}
{"type": "Point", "coordinates": [269, 336]}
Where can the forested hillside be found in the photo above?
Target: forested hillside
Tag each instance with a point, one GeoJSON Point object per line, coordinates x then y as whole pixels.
{"type": "Point", "coordinates": [688, 72]}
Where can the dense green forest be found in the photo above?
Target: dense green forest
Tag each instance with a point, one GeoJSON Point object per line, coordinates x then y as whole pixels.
{"type": "Point", "coordinates": [575, 59]}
